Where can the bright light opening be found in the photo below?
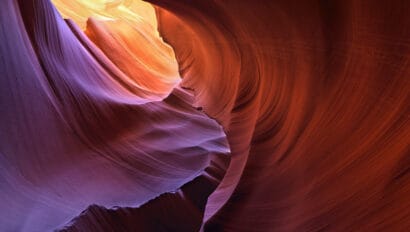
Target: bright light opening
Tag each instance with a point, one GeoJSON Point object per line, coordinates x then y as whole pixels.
{"type": "Point", "coordinates": [126, 31]}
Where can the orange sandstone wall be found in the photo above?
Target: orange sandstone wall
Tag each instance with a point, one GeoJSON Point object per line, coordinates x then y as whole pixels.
{"type": "Point", "coordinates": [315, 100]}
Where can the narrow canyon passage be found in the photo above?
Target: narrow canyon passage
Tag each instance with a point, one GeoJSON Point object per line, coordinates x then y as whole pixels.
{"type": "Point", "coordinates": [95, 118]}
{"type": "Point", "coordinates": [211, 115]}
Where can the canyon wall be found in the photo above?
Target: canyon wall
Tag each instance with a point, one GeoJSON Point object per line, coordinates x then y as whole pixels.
{"type": "Point", "coordinates": [280, 116]}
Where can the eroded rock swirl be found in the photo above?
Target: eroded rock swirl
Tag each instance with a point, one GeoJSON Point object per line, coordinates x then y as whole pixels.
{"type": "Point", "coordinates": [253, 116]}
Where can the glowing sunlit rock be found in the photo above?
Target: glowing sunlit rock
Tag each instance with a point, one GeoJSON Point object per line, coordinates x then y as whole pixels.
{"type": "Point", "coordinates": [126, 31]}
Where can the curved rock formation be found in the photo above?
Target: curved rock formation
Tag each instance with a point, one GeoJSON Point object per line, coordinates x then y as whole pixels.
{"type": "Point", "coordinates": [313, 98]}
{"type": "Point", "coordinates": [75, 132]}
{"type": "Point", "coordinates": [315, 102]}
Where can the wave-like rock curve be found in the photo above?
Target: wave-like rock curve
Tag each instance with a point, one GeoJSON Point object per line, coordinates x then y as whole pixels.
{"type": "Point", "coordinates": [315, 101]}
{"type": "Point", "coordinates": [313, 98]}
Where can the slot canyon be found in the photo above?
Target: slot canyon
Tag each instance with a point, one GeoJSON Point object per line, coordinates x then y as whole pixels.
{"type": "Point", "coordinates": [204, 115]}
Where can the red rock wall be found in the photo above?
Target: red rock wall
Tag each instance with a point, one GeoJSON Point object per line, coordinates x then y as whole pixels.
{"type": "Point", "coordinates": [315, 99]}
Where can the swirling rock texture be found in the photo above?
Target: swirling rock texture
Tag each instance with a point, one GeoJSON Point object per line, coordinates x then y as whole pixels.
{"type": "Point", "coordinates": [306, 126]}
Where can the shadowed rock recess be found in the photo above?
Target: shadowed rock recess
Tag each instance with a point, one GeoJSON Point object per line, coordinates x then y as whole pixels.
{"type": "Point", "coordinates": [204, 115]}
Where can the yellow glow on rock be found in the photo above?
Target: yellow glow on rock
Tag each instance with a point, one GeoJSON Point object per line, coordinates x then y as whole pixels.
{"type": "Point", "coordinates": [126, 31]}
{"type": "Point", "coordinates": [129, 10]}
